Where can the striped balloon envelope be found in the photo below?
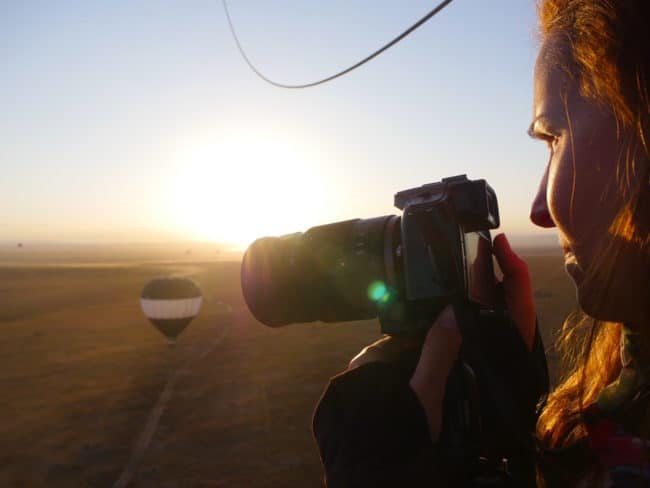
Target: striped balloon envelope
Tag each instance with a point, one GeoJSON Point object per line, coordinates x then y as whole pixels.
{"type": "Point", "coordinates": [170, 304]}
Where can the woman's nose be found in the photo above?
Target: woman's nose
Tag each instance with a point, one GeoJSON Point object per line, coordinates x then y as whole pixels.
{"type": "Point", "coordinates": [539, 212]}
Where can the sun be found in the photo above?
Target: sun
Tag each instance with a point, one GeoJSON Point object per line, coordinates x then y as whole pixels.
{"type": "Point", "coordinates": [235, 189]}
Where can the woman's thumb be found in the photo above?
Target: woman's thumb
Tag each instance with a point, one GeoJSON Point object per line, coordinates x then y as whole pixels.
{"type": "Point", "coordinates": [439, 353]}
{"type": "Point", "coordinates": [442, 343]}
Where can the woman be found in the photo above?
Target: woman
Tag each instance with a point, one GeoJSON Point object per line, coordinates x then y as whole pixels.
{"type": "Point", "coordinates": [592, 107]}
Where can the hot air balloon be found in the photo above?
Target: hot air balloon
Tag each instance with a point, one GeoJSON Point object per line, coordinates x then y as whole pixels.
{"type": "Point", "coordinates": [170, 304]}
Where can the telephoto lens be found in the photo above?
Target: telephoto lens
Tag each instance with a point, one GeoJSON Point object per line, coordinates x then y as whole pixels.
{"type": "Point", "coordinates": [331, 273]}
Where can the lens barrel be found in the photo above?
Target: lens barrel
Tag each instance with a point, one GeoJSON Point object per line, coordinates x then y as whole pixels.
{"type": "Point", "coordinates": [326, 273]}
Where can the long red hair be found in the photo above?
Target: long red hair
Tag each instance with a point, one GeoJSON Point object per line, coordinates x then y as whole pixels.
{"type": "Point", "coordinates": [610, 48]}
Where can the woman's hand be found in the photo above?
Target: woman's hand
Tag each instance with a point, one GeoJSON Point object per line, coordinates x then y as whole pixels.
{"type": "Point", "coordinates": [443, 340]}
{"type": "Point", "coordinates": [439, 351]}
{"type": "Point", "coordinates": [517, 287]}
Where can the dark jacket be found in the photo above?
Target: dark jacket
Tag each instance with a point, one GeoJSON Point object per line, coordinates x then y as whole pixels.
{"type": "Point", "coordinates": [372, 431]}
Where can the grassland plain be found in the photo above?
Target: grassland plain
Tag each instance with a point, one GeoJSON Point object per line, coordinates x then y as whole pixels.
{"type": "Point", "coordinates": [81, 369]}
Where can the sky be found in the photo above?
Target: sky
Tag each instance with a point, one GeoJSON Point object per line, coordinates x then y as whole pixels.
{"type": "Point", "coordinates": [139, 121]}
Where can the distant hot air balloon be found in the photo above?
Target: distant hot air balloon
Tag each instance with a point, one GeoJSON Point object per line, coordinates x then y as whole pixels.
{"type": "Point", "coordinates": [170, 304]}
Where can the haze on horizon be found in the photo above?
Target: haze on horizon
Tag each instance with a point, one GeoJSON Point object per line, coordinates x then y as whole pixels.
{"type": "Point", "coordinates": [141, 123]}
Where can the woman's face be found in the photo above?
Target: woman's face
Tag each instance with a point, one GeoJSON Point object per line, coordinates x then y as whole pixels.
{"type": "Point", "coordinates": [579, 192]}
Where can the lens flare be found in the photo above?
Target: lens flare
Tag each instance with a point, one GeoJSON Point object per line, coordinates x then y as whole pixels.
{"type": "Point", "coordinates": [378, 292]}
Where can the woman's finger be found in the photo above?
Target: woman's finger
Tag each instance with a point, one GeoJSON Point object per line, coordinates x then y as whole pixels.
{"type": "Point", "coordinates": [517, 287]}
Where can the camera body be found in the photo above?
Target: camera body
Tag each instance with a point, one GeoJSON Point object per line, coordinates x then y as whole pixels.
{"type": "Point", "coordinates": [446, 252]}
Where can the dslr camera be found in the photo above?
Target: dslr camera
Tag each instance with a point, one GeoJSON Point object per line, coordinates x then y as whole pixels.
{"type": "Point", "coordinates": [403, 270]}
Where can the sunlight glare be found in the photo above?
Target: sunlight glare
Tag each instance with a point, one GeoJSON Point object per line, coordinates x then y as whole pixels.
{"type": "Point", "coordinates": [235, 190]}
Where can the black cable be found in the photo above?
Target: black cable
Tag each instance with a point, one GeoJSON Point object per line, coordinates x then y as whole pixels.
{"type": "Point", "coordinates": [433, 12]}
